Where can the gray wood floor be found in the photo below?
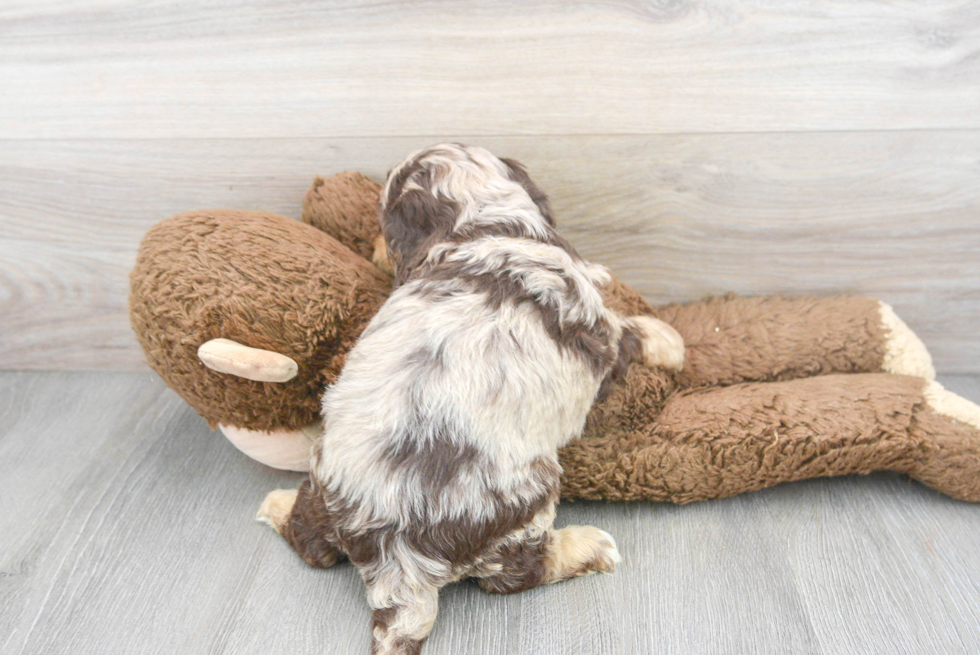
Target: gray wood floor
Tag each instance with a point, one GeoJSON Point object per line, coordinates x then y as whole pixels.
{"type": "Point", "coordinates": [694, 146]}
{"type": "Point", "coordinates": [126, 527]}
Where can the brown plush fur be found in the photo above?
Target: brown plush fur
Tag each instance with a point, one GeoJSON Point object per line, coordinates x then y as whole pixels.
{"type": "Point", "coordinates": [723, 441]}
{"type": "Point", "coordinates": [260, 279]}
{"type": "Point", "coordinates": [773, 389]}
{"type": "Point", "coordinates": [730, 339]}
{"type": "Point", "coordinates": [344, 207]}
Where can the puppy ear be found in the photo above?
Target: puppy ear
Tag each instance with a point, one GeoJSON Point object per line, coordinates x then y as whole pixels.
{"type": "Point", "coordinates": [413, 221]}
{"type": "Point", "coordinates": [518, 173]}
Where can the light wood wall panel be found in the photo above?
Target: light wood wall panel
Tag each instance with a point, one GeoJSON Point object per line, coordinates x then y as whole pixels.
{"type": "Point", "coordinates": [235, 69]}
{"type": "Point", "coordinates": [892, 214]}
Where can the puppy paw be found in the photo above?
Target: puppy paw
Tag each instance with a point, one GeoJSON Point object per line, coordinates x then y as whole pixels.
{"type": "Point", "coordinates": [606, 553]}
{"type": "Point", "coordinates": [277, 507]}
{"type": "Point", "coordinates": [579, 550]}
{"type": "Point", "coordinates": [905, 354]}
{"type": "Point", "coordinates": [662, 344]}
{"type": "Point", "coordinates": [380, 257]}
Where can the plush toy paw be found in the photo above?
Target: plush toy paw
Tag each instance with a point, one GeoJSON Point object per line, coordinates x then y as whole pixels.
{"type": "Point", "coordinates": [905, 354]}
{"type": "Point", "coordinates": [947, 433]}
{"type": "Point", "coordinates": [662, 344]}
{"type": "Point", "coordinates": [276, 508]}
{"type": "Point", "coordinates": [950, 405]}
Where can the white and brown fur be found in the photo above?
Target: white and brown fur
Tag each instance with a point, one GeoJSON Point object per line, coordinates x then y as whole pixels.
{"type": "Point", "coordinates": [439, 454]}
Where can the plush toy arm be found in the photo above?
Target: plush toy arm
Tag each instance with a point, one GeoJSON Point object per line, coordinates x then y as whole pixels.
{"type": "Point", "coordinates": [345, 206]}
{"type": "Point", "coordinates": [733, 339]}
{"type": "Point", "coordinates": [726, 441]}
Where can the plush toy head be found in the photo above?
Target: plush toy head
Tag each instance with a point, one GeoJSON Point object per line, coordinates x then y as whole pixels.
{"type": "Point", "coordinates": [266, 281]}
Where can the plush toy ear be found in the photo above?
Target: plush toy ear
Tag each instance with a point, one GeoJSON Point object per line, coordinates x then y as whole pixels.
{"type": "Point", "coordinates": [227, 356]}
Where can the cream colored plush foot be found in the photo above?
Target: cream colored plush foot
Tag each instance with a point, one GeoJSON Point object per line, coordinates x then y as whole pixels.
{"type": "Point", "coordinates": [662, 344]}
{"type": "Point", "coordinates": [905, 354]}
{"type": "Point", "coordinates": [950, 405]}
{"type": "Point", "coordinates": [277, 507]}
{"type": "Point", "coordinates": [288, 450]}
{"type": "Point", "coordinates": [580, 550]}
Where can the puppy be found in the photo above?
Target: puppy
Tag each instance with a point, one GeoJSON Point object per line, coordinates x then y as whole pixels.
{"type": "Point", "coordinates": [439, 457]}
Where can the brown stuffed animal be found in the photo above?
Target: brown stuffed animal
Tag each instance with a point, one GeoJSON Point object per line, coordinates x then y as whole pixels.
{"type": "Point", "coordinates": [249, 315]}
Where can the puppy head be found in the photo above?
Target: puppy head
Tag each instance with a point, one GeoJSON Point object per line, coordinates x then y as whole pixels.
{"type": "Point", "coordinates": [438, 190]}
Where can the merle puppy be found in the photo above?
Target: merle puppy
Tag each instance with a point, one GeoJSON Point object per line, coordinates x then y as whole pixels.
{"type": "Point", "coordinates": [439, 457]}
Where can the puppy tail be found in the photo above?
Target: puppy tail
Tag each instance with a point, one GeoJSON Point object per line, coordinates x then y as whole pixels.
{"type": "Point", "coordinates": [403, 620]}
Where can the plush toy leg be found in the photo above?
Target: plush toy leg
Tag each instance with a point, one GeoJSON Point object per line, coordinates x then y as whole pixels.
{"type": "Point", "coordinates": [288, 450]}
{"type": "Point", "coordinates": [732, 339]}
{"type": "Point", "coordinates": [729, 440]}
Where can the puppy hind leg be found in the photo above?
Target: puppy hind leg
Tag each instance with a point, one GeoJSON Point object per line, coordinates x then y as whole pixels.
{"type": "Point", "coordinates": [276, 508]}
{"type": "Point", "coordinates": [551, 557]}
{"type": "Point", "coordinates": [300, 517]}
{"type": "Point", "coordinates": [661, 345]}
{"type": "Point", "coordinates": [402, 618]}
{"type": "Point", "coordinates": [645, 340]}
{"type": "Point", "coordinates": [580, 550]}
